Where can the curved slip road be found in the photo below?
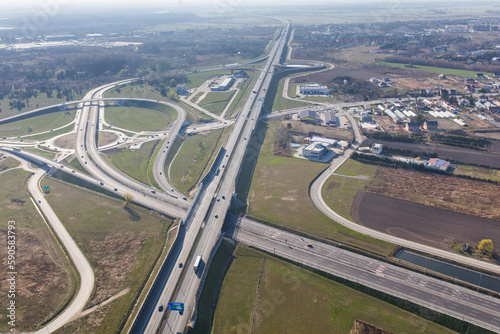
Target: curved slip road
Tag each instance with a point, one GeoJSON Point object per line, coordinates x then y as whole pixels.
{"type": "Point", "coordinates": [80, 261]}
{"type": "Point", "coordinates": [317, 198]}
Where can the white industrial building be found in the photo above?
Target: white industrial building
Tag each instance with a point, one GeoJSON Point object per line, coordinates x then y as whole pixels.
{"type": "Point", "coordinates": [314, 150]}
{"type": "Point", "coordinates": [376, 148]}
{"type": "Point", "coordinates": [323, 141]}
{"type": "Point", "coordinates": [313, 89]}
{"type": "Point", "coordinates": [223, 85]}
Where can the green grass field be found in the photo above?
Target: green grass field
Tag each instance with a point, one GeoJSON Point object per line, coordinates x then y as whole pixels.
{"type": "Point", "coordinates": [478, 172]}
{"type": "Point", "coordinates": [48, 135]}
{"type": "Point", "coordinates": [196, 97]}
{"type": "Point", "coordinates": [280, 103]}
{"type": "Point", "coordinates": [38, 124]}
{"type": "Point", "coordinates": [45, 280]}
{"type": "Point", "coordinates": [432, 69]}
{"type": "Point", "coordinates": [317, 98]}
{"type": "Point", "coordinates": [43, 152]}
{"type": "Point", "coordinates": [138, 119]}
{"type": "Point", "coordinates": [279, 193]}
{"type": "Point", "coordinates": [40, 102]}
{"type": "Point", "coordinates": [245, 91]}
{"type": "Point", "coordinates": [339, 192]}
{"type": "Point", "coordinates": [143, 91]}
{"type": "Point", "coordinates": [197, 79]}
{"type": "Point", "coordinates": [135, 162]}
{"type": "Point", "coordinates": [216, 101]}
{"type": "Point", "coordinates": [8, 163]}
{"type": "Point", "coordinates": [194, 158]}
{"type": "Point", "coordinates": [121, 245]}
{"type": "Point", "coordinates": [148, 92]}
{"type": "Point", "coordinates": [262, 294]}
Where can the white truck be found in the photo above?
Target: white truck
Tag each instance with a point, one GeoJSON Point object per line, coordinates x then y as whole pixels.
{"type": "Point", "coordinates": [197, 263]}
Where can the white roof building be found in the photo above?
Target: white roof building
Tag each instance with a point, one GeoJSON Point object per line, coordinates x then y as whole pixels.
{"type": "Point", "coordinates": [323, 141]}
{"type": "Point", "coordinates": [314, 89]}
{"type": "Point", "coordinates": [313, 150]}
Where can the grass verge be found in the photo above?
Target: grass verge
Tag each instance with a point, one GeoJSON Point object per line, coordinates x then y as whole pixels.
{"type": "Point", "coordinates": [216, 102]}
{"type": "Point", "coordinates": [135, 162]}
{"type": "Point", "coordinates": [265, 294]}
{"type": "Point", "coordinates": [121, 245]}
{"type": "Point", "coordinates": [45, 280]}
{"type": "Point", "coordinates": [37, 124]}
{"type": "Point", "coordinates": [279, 194]}
{"type": "Point", "coordinates": [339, 192]}
{"type": "Point", "coordinates": [281, 103]}
{"type": "Point", "coordinates": [194, 158]}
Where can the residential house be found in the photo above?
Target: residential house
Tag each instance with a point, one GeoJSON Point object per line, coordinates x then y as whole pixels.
{"type": "Point", "coordinates": [181, 89]}
{"type": "Point", "coordinates": [430, 125]}
{"type": "Point", "coordinates": [464, 102]}
{"type": "Point", "coordinates": [438, 164]}
{"type": "Point", "coordinates": [412, 126]}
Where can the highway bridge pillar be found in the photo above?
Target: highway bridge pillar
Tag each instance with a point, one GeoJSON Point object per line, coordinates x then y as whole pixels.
{"type": "Point", "coordinates": [236, 203]}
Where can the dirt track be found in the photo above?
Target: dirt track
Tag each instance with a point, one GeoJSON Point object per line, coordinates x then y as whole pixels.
{"type": "Point", "coordinates": [417, 222]}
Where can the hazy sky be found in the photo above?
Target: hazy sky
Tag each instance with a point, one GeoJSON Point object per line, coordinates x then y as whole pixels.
{"type": "Point", "coordinates": [51, 5]}
{"type": "Point", "coordinates": [34, 4]}
{"type": "Point", "coordinates": [175, 3]}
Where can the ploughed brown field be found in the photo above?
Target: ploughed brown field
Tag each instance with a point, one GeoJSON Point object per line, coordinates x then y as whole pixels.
{"type": "Point", "coordinates": [421, 223]}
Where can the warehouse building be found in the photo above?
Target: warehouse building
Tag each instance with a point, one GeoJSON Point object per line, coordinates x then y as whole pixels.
{"type": "Point", "coordinates": [223, 85]}
{"type": "Point", "coordinates": [313, 89]}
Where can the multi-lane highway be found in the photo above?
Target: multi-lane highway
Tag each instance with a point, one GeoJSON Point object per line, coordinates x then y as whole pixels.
{"type": "Point", "coordinates": [211, 212]}
{"type": "Point", "coordinates": [462, 303]}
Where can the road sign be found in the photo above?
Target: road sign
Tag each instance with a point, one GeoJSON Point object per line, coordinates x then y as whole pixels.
{"type": "Point", "coordinates": [176, 307]}
{"type": "Point", "coordinates": [46, 187]}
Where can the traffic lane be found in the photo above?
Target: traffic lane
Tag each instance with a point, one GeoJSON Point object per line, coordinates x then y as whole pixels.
{"type": "Point", "coordinates": [151, 304]}
{"type": "Point", "coordinates": [209, 234]}
{"type": "Point", "coordinates": [106, 169]}
{"type": "Point", "coordinates": [365, 263]}
{"type": "Point", "coordinates": [448, 299]}
{"type": "Point", "coordinates": [459, 308]}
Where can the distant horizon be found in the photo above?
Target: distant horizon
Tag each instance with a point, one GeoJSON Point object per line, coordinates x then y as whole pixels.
{"type": "Point", "coordinates": [200, 4]}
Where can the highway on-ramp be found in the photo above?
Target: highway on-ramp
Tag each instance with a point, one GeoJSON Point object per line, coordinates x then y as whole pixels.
{"type": "Point", "coordinates": [80, 261]}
